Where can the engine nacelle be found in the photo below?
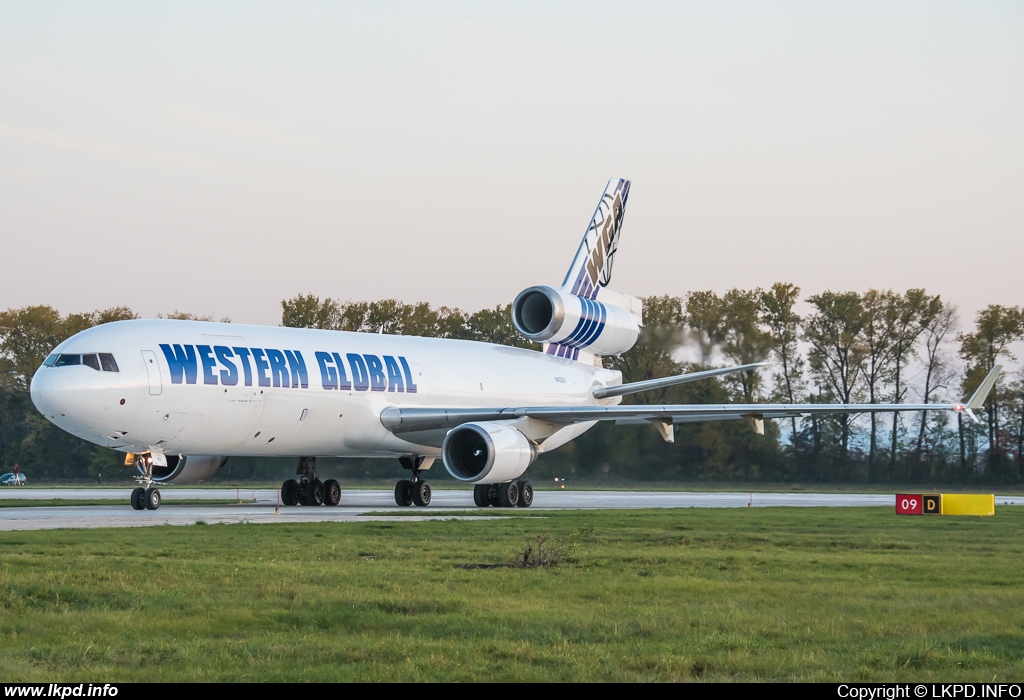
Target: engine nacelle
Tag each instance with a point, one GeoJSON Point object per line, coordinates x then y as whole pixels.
{"type": "Point", "coordinates": [183, 469]}
{"type": "Point", "coordinates": [548, 315]}
{"type": "Point", "coordinates": [486, 453]}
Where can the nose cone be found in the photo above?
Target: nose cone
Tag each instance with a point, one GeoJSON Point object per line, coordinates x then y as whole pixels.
{"type": "Point", "coordinates": [52, 391]}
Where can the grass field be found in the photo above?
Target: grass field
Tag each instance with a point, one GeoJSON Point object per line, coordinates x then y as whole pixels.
{"type": "Point", "coordinates": [851, 594]}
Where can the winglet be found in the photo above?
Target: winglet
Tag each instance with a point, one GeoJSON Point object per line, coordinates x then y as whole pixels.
{"type": "Point", "coordinates": [977, 400]}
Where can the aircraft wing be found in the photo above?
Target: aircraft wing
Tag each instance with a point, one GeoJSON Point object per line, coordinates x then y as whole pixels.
{"type": "Point", "coordinates": [402, 420]}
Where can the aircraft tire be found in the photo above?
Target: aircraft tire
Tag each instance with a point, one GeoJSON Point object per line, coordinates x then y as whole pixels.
{"type": "Point", "coordinates": [290, 493]}
{"type": "Point", "coordinates": [508, 495]}
{"type": "Point", "coordinates": [138, 494]}
{"type": "Point", "coordinates": [525, 494]}
{"type": "Point", "coordinates": [481, 495]}
{"type": "Point", "coordinates": [403, 493]}
{"type": "Point", "coordinates": [332, 492]}
{"type": "Point", "coordinates": [316, 492]}
{"type": "Point", "coordinates": [421, 494]}
{"type": "Point", "coordinates": [152, 498]}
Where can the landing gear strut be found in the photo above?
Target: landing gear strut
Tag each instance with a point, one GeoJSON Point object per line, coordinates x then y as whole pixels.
{"type": "Point", "coordinates": [415, 490]}
{"type": "Point", "coordinates": [511, 494]}
{"type": "Point", "coordinates": [308, 489]}
{"type": "Point", "coordinates": [145, 496]}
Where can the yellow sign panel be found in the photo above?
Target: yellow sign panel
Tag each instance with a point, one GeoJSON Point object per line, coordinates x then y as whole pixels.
{"type": "Point", "coordinates": [968, 504]}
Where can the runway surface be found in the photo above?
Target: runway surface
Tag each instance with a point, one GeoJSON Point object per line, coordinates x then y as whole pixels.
{"type": "Point", "coordinates": [357, 504]}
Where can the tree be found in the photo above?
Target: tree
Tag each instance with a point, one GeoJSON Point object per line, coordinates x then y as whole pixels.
{"type": "Point", "coordinates": [28, 334]}
{"type": "Point", "coordinates": [393, 316]}
{"type": "Point", "coordinates": [996, 328]}
{"type": "Point", "coordinates": [662, 335]}
{"type": "Point", "coordinates": [938, 370]}
{"type": "Point", "coordinates": [835, 332]}
{"type": "Point", "coordinates": [444, 322]}
{"type": "Point", "coordinates": [880, 311]}
{"type": "Point", "coordinates": [495, 326]}
{"type": "Point", "coordinates": [308, 311]}
{"type": "Point", "coordinates": [914, 311]}
{"type": "Point", "coordinates": [1015, 402]}
{"type": "Point", "coordinates": [705, 316]}
{"type": "Point", "coordinates": [189, 316]}
{"type": "Point", "coordinates": [743, 339]}
{"type": "Point", "coordinates": [784, 331]}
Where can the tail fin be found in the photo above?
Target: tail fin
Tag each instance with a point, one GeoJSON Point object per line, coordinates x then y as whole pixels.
{"type": "Point", "coordinates": [592, 267]}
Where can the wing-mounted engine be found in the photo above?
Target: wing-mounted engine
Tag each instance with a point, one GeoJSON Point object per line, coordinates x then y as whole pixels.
{"type": "Point", "coordinates": [182, 469]}
{"type": "Point", "coordinates": [487, 453]}
{"type": "Point", "coordinates": [555, 316]}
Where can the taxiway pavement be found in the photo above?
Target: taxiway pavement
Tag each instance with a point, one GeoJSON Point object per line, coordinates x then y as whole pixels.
{"type": "Point", "coordinates": [375, 504]}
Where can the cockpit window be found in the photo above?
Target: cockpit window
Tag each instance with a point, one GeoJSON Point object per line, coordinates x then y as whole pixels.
{"type": "Point", "coordinates": [108, 362]}
{"type": "Point", "coordinates": [98, 361]}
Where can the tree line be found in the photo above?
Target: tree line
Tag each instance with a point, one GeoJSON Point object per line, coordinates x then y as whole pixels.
{"type": "Point", "coordinates": [878, 346]}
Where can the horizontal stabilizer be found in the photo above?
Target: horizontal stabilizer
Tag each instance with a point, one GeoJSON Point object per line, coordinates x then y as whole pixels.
{"type": "Point", "coordinates": [648, 385]}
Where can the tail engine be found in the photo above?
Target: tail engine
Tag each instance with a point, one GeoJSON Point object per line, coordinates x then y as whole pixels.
{"type": "Point", "coordinates": [487, 453]}
{"type": "Point", "coordinates": [548, 315]}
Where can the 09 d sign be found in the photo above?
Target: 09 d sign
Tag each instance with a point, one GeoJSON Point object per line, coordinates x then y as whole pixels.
{"type": "Point", "coordinates": [918, 504]}
{"type": "Point", "coordinates": [945, 504]}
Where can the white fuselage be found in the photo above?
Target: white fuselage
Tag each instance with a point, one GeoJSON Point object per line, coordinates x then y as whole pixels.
{"type": "Point", "coordinates": [193, 387]}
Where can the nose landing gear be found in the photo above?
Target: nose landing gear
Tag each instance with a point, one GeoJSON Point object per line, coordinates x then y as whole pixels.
{"type": "Point", "coordinates": [308, 489]}
{"type": "Point", "coordinates": [415, 490]}
{"type": "Point", "coordinates": [146, 496]}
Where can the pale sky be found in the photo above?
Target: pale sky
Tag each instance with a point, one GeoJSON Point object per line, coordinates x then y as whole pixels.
{"type": "Point", "coordinates": [219, 157]}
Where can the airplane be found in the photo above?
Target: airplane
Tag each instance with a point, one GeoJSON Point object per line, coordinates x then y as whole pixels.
{"type": "Point", "coordinates": [181, 397]}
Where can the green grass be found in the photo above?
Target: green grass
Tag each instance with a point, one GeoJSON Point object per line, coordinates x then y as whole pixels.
{"type": "Point", "coordinates": [852, 594]}
{"type": "Point", "coordinates": [70, 501]}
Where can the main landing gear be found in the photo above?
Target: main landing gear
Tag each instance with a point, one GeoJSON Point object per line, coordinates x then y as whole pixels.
{"type": "Point", "coordinates": [511, 494]}
{"type": "Point", "coordinates": [415, 490]}
{"type": "Point", "coordinates": [145, 496]}
{"type": "Point", "coordinates": [309, 490]}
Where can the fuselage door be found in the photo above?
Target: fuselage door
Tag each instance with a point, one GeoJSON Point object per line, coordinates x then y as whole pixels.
{"type": "Point", "coordinates": [156, 385]}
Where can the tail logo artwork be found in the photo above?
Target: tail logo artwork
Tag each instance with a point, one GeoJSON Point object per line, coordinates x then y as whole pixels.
{"type": "Point", "coordinates": [602, 241]}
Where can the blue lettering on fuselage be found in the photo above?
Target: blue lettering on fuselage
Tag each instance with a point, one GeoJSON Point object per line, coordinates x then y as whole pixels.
{"type": "Point", "coordinates": [343, 382]}
{"type": "Point", "coordinates": [360, 380]}
{"type": "Point", "coordinates": [243, 357]}
{"type": "Point", "coordinates": [267, 367]}
{"type": "Point", "coordinates": [206, 357]}
{"type": "Point", "coordinates": [228, 375]}
{"type": "Point", "coordinates": [181, 361]}
{"type": "Point", "coordinates": [259, 357]}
